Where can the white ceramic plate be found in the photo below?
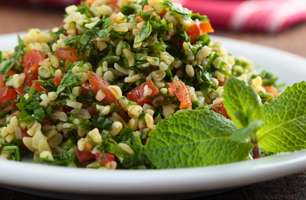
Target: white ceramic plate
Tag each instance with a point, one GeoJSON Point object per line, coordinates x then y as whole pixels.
{"type": "Point", "coordinates": [60, 180]}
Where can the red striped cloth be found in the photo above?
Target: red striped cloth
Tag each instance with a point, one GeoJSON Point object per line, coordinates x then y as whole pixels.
{"type": "Point", "coordinates": [54, 2]}
{"type": "Point", "coordinates": [252, 15]}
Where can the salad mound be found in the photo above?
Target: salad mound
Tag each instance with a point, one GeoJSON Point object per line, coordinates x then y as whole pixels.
{"type": "Point", "coordinates": [104, 91]}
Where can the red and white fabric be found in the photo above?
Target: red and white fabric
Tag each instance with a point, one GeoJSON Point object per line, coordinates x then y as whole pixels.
{"type": "Point", "coordinates": [251, 15]}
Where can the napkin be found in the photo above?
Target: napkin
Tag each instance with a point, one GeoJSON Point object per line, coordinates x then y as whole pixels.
{"type": "Point", "coordinates": [252, 15]}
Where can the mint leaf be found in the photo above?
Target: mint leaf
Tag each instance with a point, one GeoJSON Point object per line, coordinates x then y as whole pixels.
{"type": "Point", "coordinates": [241, 102]}
{"type": "Point", "coordinates": [194, 138]}
{"type": "Point", "coordinates": [285, 121]}
{"type": "Point", "coordinates": [144, 33]}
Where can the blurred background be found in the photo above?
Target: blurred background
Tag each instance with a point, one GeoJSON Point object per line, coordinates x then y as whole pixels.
{"type": "Point", "coordinates": [277, 23]}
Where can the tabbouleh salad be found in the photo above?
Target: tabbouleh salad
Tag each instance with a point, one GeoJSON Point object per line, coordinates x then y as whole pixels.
{"type": "Point", "coordinates": [101, 90]}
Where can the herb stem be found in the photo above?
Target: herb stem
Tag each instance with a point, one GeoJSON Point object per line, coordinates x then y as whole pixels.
{"type": "Point", "coordinates": [255, 151]}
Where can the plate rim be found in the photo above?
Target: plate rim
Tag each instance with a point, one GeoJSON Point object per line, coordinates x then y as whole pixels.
{"type": "Point", "coordinates": [150, 181]}
{"type": "Point", "coordinates": [156, 181]}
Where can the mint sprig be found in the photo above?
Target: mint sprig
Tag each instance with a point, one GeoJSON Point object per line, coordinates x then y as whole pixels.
{"type": "Point", "coordinates": [284, 119]}
{"type": "Point", "coordinates": [201, 137]}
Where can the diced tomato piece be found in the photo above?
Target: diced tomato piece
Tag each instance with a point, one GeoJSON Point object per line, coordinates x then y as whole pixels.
{"type": "Point", "coordinates": [7, 94]}
{"type": "Point", "coordinates": [198, 29]}
{"type": "Point", "coordinates": [114, 3]}
{"type": "Point", "coordinates": [109, 96]}
{"type": "Point", "coordinates": [104, 158]}
{"type": "Point", "coordinates": [9, 108]}
{"type": "Point", "coordinates": [92, 110]}
{"type": "Point", "coordinates": [147, 8]}
{"type": "Point", "coordinates": [31, 62]}
{"type": "Point", "coordinates": [67, 54]}
{"type": "Point", "coordinates": [162, 13]}
{"type": "Point", "coordinates": [85, 88]}
{"type": "Point", "coordinates": [179, 89]}
{"type": "Point", "coordinates": [89, 2]}
{"type": "Point", "coordinates": [272, 90]}
{"type": "Point", "coordinates": [84, 156]}
{"type": "Point", "coordinates": [97, 83]}
{"type": "Point", "coordinates": [152, 87]}
{"type": "Point", "coordinates": [2, 82]}
{"type": "Point", "coordinates": [219, 108]}
{"type": "Point", "coordinates": [24, 133]}
{"type": "Point", "coordinates": [65, 109]}
{"type": "Point", "coordinates": [11, 72]}
{"type": "Point", "coordinates": [57, 80]}
{"type": "Point", "coordinates": [46, 122]}
{"type": "Point", "coordinates": [88, 147]}
{"type": "Point", "coordinates": [194, 32]}
{"type": "Point", "coordinates": [222, 82]}
{"type": "Point", "coordinates": [138, 19]}
{"type": "Point", "coordinates": [177, 42]}
{"type": "Point", "coordinates": [38, 87]}
{"type": "Point", "coordinates": [206, 27]}
{"type": "Point", "coordinates": [138, 94]}
{"type": "Point", "coordinates": [19, 91]}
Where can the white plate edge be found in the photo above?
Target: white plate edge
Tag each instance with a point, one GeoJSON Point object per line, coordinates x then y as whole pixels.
{"type": "Point", "coordinates": [300, 163]}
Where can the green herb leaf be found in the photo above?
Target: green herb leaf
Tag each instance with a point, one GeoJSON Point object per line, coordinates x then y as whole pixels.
{"type": "Point", "coordinates": [68, 81]}
{"type": "Point", "coordinates": [145, 32]}
{"type": "Point", "coordinates": [25, 117]}
{"type": "Point", "coordinates": [268, 78]}
{"type": "Point", "coordinates": [65, 157]}
{"type": "Point", "coordinates": [39, 113]}
{"type": "Point", "coordinates": [285, 121]}
{"type": "Point", "coordinates": [30, 108]}
{"type": "Point", "coordinates": [198, 16]}
{"type": "Point", "coordinates": [102, 123]}
{"type": "Point", "coordinates": [104, 33]}
{"type": "Point", "coordinates": [241, 102]}
{"type": "Point", "coordinates": [106, 22]}
{"type": "Point", "coordinates": [12, 151]}
{"type": "Point", "coordinates": [84, 42]}
{"type": "Point", "coordinates": [84, 9]}
{"type": "Point", "coordinates": [176, 8]}
{"type": "Point", "coordinates": [1, 56]}
{"type": "Point", "coordinates": [194, 138]}
{"type": "Point", "coordinates": [6, 65]}
{"type": "Point", "coordinates": [73, 40]}
{"type": "Point", "coordinates": [128, 10]}
{"type": "Point", "coordinates": [117, 151]}
{"type": "Point", "coordinates": [138, 159]}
